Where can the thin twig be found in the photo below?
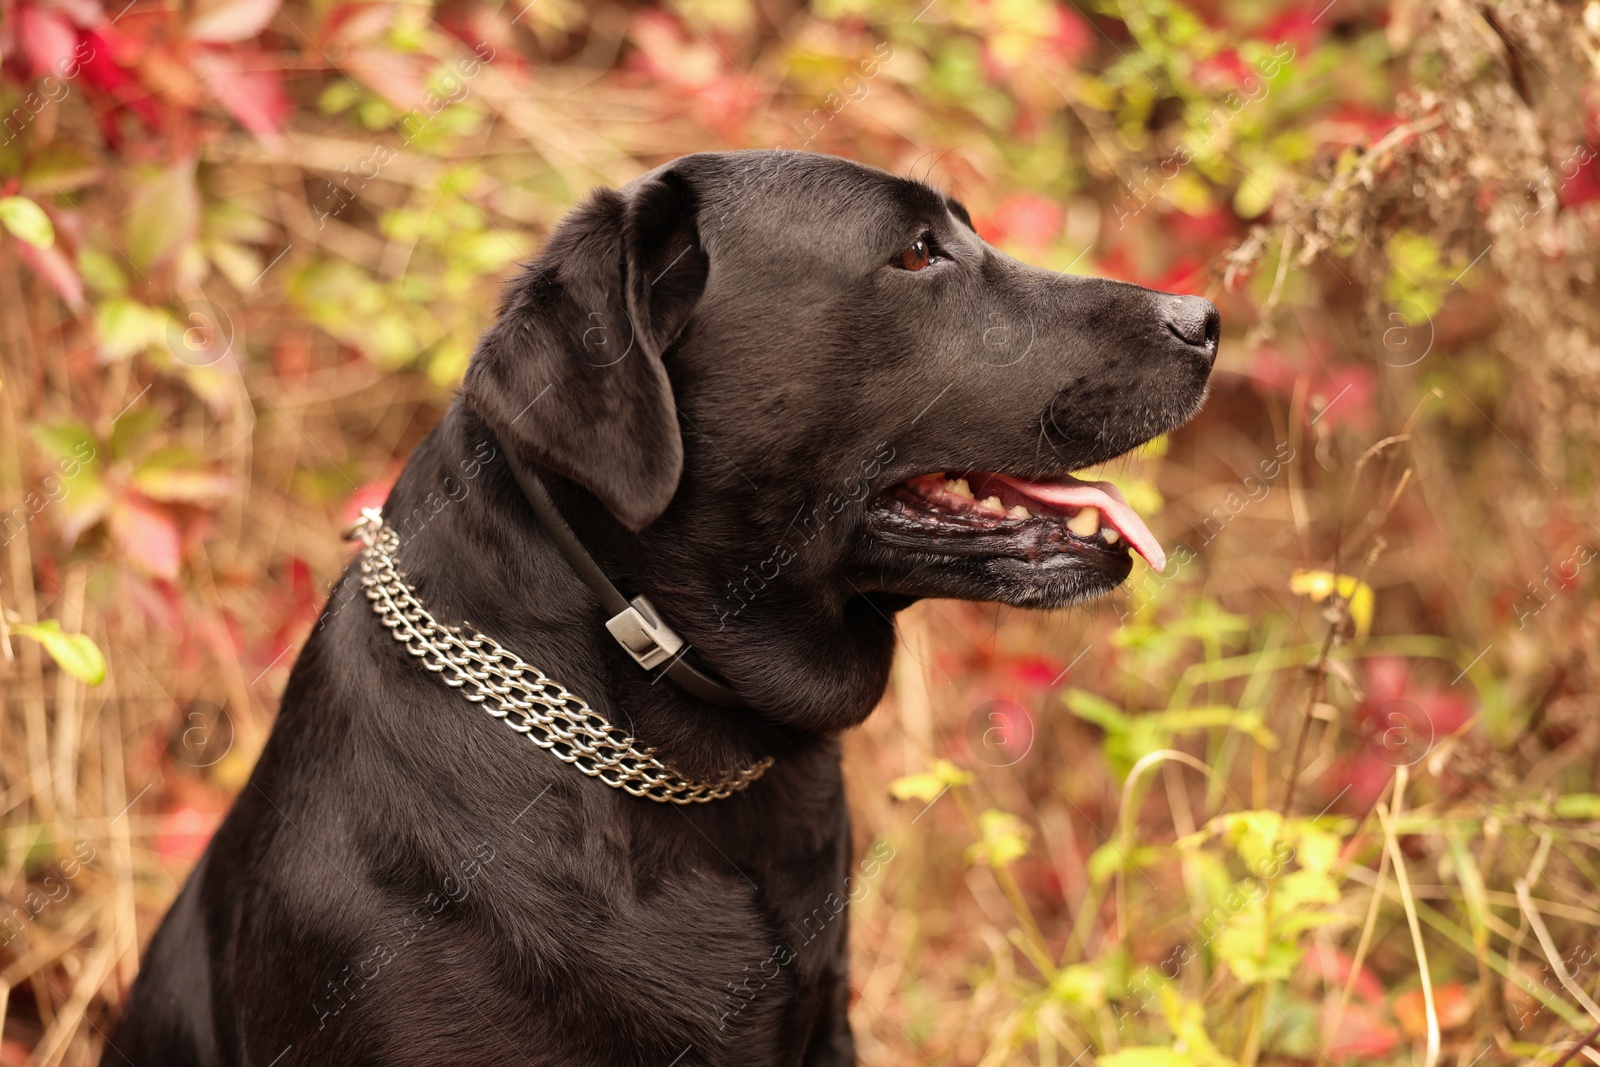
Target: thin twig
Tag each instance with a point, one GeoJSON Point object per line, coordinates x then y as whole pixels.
{"type": "Point", "coordinates": [1403, 882]}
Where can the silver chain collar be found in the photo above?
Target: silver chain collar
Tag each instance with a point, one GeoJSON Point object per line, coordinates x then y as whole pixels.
{"type": "Point", "coordinates": [519, 694]}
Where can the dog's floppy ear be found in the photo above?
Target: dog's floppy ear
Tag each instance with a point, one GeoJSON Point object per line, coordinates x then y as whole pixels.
{"type": "Point", "coordinates": [571, 373]}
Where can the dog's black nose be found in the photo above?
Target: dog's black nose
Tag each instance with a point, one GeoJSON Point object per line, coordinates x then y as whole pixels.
{"type": "Point", "coordinates": [1194, 321]}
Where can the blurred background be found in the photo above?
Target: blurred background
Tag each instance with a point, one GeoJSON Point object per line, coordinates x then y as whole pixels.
{"type": "Point", "coordinates": [1325, 791]}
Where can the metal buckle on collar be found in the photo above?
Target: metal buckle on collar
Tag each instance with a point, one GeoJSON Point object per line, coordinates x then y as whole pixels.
{"type": "Point", "coordinates": [642, 634]}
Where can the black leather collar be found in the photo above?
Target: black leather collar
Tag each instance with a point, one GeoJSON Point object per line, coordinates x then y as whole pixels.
{"type": "Point", "coordinates": [635, 624]}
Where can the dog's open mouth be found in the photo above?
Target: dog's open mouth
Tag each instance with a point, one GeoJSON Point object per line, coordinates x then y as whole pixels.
{"type": "Point", "coordinates": [979, 512]}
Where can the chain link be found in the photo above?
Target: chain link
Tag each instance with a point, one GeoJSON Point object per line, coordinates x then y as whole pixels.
{"type": "Point", "coordinates": [519, 694]}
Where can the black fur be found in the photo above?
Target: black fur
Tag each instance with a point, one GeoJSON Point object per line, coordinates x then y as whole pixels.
{"type": "Point", "coordinates": [720, 377]}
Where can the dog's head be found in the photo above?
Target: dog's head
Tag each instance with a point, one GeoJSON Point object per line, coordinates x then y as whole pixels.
{"type": "Point", "coordinates": [798, 393]}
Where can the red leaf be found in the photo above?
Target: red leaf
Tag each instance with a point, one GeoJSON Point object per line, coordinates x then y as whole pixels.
{"type": "Point", "coordinates": [1297, 25]}
{"type": "Point", "coordinates": [371, 495]}
{"type": "Point", "coordinates": [147, 535]}
{"type": "Point", "coordinates": [1184, 275]}
{"type": "Point", "coordinates": [48, 40]}
{"type": "Point", "coordinates": [1399, 722]}
{"type": "Point", "coordinates": [232, 20]}
{"type": "Point", "coordinates": [160, 604]}
{"type": "Point", "coordinates": [1333, 967]}
{"type": "Point", "coordinates": [1451, 1003]}
{"type": "Point", "coordinates": [55, 268]}
{"type": "Point", "coordinates": [1203, 232]}
{"type": "Point", "coordinates": [1036, 672]}
{"type": "Point", "coordinates": [1073, 34]}
{"type": "Point", "coordinates": [1356, 780]}
{"type": "Point", "coordinates": [1362, 1034]}
{"type": "Point", "coordinates": [1347, 397]}
{"type": "Point", "coordinates": [1354, 123]}
{"type": "Point", "coordinates": [251, 92]}
{"type": "Point", "coordinates": [185, 831]}
{"type": "Point", "coordinates": [666, 51]}
{"type": "Point", "coordinates": [1027, 219]}
{"type": "Point", "coordinates": [356, 23]}
{"type": "Point", "coordinates": [1223, 71]}
{"type": "Point", "coordinates": [220, 634]}
{"type": "Point", "coordinates": [102, 71]}
{"type": "Point", "coordinates": [1584, 185]}
{"type": "Point", "coordinates": [1386, 679]}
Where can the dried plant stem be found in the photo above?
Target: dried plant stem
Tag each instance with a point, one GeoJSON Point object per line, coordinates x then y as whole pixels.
{"type": "Point", "coordinates": [1536, 922]}
{"type": "Point", "coordinates": [20, 554]}
{"type": "Point", "coordinates": [114, 789]}
{"type": "Point", "coordinates": [1359, 959]}
{"type": "Point", "coordinates": [1032, 943]}
{"type": "Point", "coordinates": [1581, 1046]}
{"type": "Point", "coordinates": [1319, 682]}
{"type": "Point", "coordinates": [1125, 823]}
{"type": "Point", "coordinates": [96, 969]}
{"type": "Point", "coordinates": [69, 701]}
{"type": "Point", "coordinates": [1403, 883]}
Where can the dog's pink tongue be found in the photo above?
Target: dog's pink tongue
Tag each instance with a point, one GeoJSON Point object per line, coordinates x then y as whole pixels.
{"type": "Point", "coordinates": [1071, 492]}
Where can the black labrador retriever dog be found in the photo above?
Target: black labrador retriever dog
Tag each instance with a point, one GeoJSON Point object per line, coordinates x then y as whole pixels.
{"type": "Point", "coordinates": [771, 399]}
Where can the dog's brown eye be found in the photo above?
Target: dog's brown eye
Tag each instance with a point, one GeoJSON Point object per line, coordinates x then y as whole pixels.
{"type": "Point", "coordinates": [918, 256]}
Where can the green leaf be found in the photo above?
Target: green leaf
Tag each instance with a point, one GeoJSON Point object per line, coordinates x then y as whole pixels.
{"type": "Point", "coordinates": [76, 654]}
{"type": "Point", "coordinates": [1300, 888]}
{"type": "Point", "coordinates": [1148, 1056]}
{"type": "Point", "coordinates": [27, 221]}
{"type": "Point", "coordinates": [1109, 858]}
{"type": "Point", "coordinates": [84, 498]}
{"type": "Point", "coordinates": [338, 97]}
{"type": "Point", "coordinates": [100, 272]}
{"type": "Point", "coordinates": [1578, 806]}
{"type": "Point", "coordinates": [930, 783]}
{"type": "Point", "coordinates": [1186, 720]}
{"type": "Point", "coordinates": [1317, 850]}
{"type": "Point", "coordinates": [133, 430]}
{"type": "Point", "coordinates": [1081, 985]}
{"type": "Point", "coordinates": [128, 327]}
{"type": "Point", "coordinates": [238, 264]}
{"type": "Point", "coordinates": [164, 215]}
{"type": "Point", "coordinates": [1187, 1021]}
{"type": "Point", "coordinates": [1105, 862]}
{"type": "Point", "coordinates": [1240, 948]}
{"type": "Point", "coordinates": [62, 166]}
{"type": "Point", "coordinates": [1259, 839]}
{"type": "Point", "coordinates": [1005, 839]}
{"type": "Point", "coordinates": [1096, 709]}
{"type": "Point", "coordinates": [1129, 738]}
{"type": "Point", "coordinates": [178, 476]}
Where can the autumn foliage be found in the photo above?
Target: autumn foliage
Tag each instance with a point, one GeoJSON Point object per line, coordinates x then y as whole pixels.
{"type": "Point", "coordinates": [1325, 790]}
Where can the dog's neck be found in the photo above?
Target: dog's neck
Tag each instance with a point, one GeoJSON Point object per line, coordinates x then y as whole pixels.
{"type": "Point", "coordinates": [476, 554]}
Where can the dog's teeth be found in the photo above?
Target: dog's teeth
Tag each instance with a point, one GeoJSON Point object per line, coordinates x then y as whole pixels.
{"type": "Point", "coordinates": [1020, 512]}
{"type": "Point", "coordinates": [1109, 535]}
{"type": "Point", "coordinates": [960, 488]}
{"type": "Point", "coordinates": [1085, 523]}
{"type": "Point", "coordinates": [992, 505]}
